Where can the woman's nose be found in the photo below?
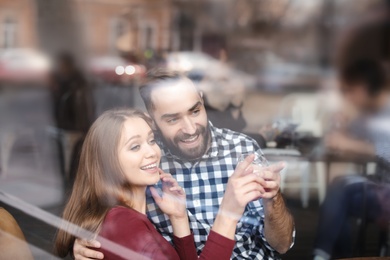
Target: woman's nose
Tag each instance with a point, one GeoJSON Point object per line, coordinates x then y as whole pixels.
{"type": "Point", "coordinates": [151, 152]}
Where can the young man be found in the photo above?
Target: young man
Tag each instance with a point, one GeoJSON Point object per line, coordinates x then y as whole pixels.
{"type": "Point", "coordinates": [364, 84]}
{"type": "Point", "coordinates": [201, 158]}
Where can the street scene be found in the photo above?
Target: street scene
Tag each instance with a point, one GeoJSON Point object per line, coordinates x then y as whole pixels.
{"type": "Point", "coordinates": [303, 85]}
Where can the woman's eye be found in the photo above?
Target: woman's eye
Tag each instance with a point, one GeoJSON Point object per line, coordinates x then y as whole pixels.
{"type": "Point", "coordinates": [135, 147]}
{"type": "Point", "coordinates": [153, 141]}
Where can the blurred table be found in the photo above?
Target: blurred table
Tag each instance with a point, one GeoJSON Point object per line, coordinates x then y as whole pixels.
{"type": "Point", "coordinates": [365, 258]}
{"type": "Point", "coordinates": [318, 154]}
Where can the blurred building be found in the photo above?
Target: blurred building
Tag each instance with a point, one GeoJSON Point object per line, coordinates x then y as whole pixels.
{"type": "Point", "coordinates": [101, 26]}
{"type": "Point", "coordinates": [125, 26]}
{"type": "Point", "coordinates": [17, 24]}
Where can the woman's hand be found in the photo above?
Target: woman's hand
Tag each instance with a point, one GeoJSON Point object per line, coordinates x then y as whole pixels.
{"type": "Point", "coordinates": [173, 200]}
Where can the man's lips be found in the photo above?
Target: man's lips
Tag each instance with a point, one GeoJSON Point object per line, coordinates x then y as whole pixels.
{"type": "Point", "coordinates": [190, 140]}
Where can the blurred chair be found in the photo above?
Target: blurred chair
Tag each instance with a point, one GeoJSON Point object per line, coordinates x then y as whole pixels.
{"type": "Point", "coordinates": [7, 140]}
{"type": "Point", "coordinates": [303, 110]}
{"type": "Point", "coordinates": [383, 224]}
{"type": "Point", "coordinates": [14, 128]}
{"type": "Point", "coordinates": [13, 244]}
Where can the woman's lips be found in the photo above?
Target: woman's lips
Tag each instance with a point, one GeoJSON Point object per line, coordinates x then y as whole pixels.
{"type": "Point", "coordinates": [151, 168]}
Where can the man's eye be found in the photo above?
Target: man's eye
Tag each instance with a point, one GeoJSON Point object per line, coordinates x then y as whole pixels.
{"type": "Point", "coordinates": [172, 120]}
{"type": "Point", "coordinates": [196, 112]}
{"type": "Point", "coordinates": [135, 147]}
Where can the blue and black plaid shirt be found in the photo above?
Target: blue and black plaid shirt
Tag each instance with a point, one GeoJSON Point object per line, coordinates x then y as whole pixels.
{"type": "Point", "coordinates": [204, 183]}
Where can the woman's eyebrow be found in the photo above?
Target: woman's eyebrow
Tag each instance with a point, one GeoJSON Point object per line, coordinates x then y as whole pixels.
{"type": "Point", "coordinates": [131, 138]}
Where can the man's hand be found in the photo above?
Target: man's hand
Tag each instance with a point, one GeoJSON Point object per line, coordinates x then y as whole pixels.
{"type": "Point", "coordinates": [243, 186]}
{"type": "Point", "coordinates": [278, 222]}
{"type": "Point", "coordinates": [173, 200]}
{"type": "Point", "coordinates": [271, 176]}
{"type": "Point", "coordinates": [82, 249]}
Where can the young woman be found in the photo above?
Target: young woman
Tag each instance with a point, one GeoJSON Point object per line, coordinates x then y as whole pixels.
{"type": "Point", "coordinates": [119, 160]}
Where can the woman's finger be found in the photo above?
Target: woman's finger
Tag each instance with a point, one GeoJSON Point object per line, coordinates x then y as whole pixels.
{"type": "Point", "coordinates": [178, 189]}
{"type": "Point", "coordinates": [157, 198]}
{"type": "Point", "coordinates": [163, 174]}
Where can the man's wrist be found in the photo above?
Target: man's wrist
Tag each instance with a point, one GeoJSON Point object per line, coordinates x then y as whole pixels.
{"type": "Point", "coordinates": [270, 202]}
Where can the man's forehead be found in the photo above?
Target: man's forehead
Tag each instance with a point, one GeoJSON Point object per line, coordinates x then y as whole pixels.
{"type": "Point", "coordinates": [183, 85]}
{"type": "Point", "coordinates": [175, 93]}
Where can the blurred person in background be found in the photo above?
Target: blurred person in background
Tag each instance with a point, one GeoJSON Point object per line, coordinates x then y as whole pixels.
{"type": "Point", "coordinates": [73, 108]}
{"type": "Point", "coordinates": [364, 83]}
{"type": "Point", "coordinates": [201, 157]}
{"type": "Point", "coordinates": [119, 160]}
{"type": "Point", "coordinates": [230, 117]}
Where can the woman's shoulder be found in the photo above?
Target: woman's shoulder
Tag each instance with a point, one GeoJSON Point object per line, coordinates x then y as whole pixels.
{"type": "Point", "coordinates": [126, 216]}
{"type": "Point", "coordinates": [125, 224]}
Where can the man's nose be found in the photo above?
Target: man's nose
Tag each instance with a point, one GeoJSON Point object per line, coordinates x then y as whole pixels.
{"type": "Point", "coordinates": [188, 127]}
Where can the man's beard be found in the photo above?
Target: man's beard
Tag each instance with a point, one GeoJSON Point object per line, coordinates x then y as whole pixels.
{"type": "Point", "coordinates": [190, 154]}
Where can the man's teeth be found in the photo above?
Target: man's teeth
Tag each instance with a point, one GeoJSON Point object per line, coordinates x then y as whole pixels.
{"type": "Point", "coordinates": [150, 166]}
{"type": "Point", "coordinates": [190, 139]}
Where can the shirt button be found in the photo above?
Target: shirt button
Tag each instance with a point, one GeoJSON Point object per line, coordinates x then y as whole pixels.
{"type": "Point", "coordinates": [196, 203]}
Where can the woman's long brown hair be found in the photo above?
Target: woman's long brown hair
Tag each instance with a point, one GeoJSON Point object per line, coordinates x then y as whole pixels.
{"type": "Point", "coordinates": [100, 183]}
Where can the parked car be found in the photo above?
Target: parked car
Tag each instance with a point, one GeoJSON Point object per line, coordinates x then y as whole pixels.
{"type": "Point", "coordinates": [277, 74]}
{"type": "Point", "coordinates": [115, 69]}
{"type": "Point", "coordinates": [23, 66]}
{"type": "Point", "coordinates": [222, 84]}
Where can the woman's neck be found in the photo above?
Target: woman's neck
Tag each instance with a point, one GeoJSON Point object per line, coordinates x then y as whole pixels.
{"type": "Point", "coordinates": [139, 199]}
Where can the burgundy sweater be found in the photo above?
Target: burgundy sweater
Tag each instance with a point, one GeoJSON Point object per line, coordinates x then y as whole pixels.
{"type": "Point", "coordinates": [133, 230]}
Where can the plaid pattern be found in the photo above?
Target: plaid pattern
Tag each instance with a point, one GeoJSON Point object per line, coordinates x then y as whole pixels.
{"type": "Point", "coordinates": [204, 183]}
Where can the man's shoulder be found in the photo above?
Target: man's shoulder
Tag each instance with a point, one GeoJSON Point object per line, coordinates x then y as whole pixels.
{"type": "Point", "coordinates": [228, 136]}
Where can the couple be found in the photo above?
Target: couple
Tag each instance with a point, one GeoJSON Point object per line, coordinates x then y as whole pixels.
{"type": "Point", "coordinates": [201, 158]}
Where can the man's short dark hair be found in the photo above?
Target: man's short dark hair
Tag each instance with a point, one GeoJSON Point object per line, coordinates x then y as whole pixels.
{"type": "Point", "coordinates": [154, 79]}
{"type": "Point", "coordinates": [370, 74]}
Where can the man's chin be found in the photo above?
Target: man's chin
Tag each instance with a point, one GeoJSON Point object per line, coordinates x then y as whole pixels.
{"type": "Point", "coordinates": [191, 154]}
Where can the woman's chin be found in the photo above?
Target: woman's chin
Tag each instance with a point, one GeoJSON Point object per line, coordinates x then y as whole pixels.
{"type": "Point", "coordinates": [153, 180]}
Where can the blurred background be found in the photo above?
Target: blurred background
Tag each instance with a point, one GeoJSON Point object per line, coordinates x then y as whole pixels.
{"type": "Point", "coordinates": [267, 68]}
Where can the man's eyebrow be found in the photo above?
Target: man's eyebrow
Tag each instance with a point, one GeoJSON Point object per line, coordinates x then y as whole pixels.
{"type": "Point", "coordinates": [177, 114]}
{"type": "Point", "coordinates": [195, 106]}
{"type": "Point", "coordinates": [165, 116]}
